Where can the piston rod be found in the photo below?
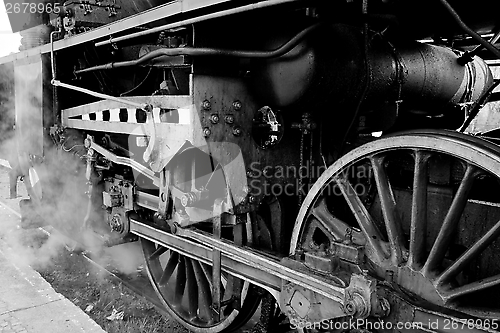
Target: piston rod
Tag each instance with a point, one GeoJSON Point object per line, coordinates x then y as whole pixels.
{"type": "Point", "coordinates": [243, 262]}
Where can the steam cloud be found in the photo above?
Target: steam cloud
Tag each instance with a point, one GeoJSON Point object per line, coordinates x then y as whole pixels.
{"type": "Point", "coordinates": [64, 185]}
{"type": "Point", "coordinates": [62, 177]}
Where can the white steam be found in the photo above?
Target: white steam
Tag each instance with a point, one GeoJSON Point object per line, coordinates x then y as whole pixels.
{"type": "Point", "coordinates": [62, 174]}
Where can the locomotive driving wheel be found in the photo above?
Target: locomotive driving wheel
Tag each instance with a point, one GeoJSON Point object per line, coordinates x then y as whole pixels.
{"type": "Point", "coordinates": [184, 286]}
{"type": "Point", "coordinates": [425, 209]}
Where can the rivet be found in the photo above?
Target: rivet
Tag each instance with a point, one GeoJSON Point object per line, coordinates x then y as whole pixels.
{"type": "Point", "coordinates": [229, 119]}
{"type": "Point", "coordinates": [206, 132]}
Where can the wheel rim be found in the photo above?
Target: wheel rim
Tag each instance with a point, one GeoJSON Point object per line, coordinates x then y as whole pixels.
{"type": "Point", "coordinates": [184, 287]}
{"type": "Point", "coordinates": [408, 242]}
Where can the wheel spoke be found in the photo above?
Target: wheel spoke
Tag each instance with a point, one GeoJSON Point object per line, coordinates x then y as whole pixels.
{"type": "Point", "coordinates": [450, 222]}
{"type": "Point", "coordinates": [207, 270]}
{"type": "Point", "coordinates": [150, 247]}
{"type": "Point", "coordinates": [335, 227]}
{"type": "Point", "coordinates": [169, 268]}
{"type": "Point", "coordinates": [363, 217]}
{"type": "Point", "coordinates": [180, 281]}
{"type": "Point", "coordinates": [184, 286]}
{"type": "Point", "coordinates": [430, 220]}
{"type": "Point", "coordinates": [472, 287]}
{"type": "Point", "coordinates": [191, 289]}
{"type": "Point", "coordinates": [158, 252]}
{"type": "Point", "coordinates": [470, 254]}
{"type": "Point", "coordinates": [232, 291]}
{"type": "Point", "coordinates": [389, 212]}
{"type": "Point", "coordinates": [418, 224]}
{"type": "Point", "coordinates": [204, 292]}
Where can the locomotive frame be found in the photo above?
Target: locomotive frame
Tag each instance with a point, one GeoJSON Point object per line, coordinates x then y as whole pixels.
{"type": "Point", "coordinates": [186, 159]}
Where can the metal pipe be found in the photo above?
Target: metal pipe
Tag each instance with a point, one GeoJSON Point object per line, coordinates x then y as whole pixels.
{"type": "Point", "coordinates": [125, 161]}
{"type": "Point", "coordinates": [366, 88]}
{"type": "Point", "coordinates": [191, 51]}
{"type": "Point", "coordinates": [478, 106]}
{"type": "Point", "coordinates": [223, 13]}
{"type": "Point", "coordinates": [52, 60]}
{"type": "Point", "coordinates": [469, 31]}
{"type": "Point", "coordinates": [55, 96]}
{"type": "Point", "coordinates": [57, 83]}
{"type": "Point", "coordinates": [492, 41]}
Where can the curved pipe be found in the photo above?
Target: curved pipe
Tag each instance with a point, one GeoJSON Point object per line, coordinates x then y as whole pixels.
{"type": "Point", "coordinates": [469, 31]}
{"type": "Point", "coordinates": [58, 83]}
{"type": "Point", "coordinates": [196, 52]}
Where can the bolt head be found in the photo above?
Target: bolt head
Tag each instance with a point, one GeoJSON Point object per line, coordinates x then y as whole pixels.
{"type": "Point", "coordinates": [214, 118]}
{"type": "Point", "coordinates": [116, 223]}
{"type": "Point", "coordinates": [237, 131]}
{"type": "Point", "coordinates": [87, 143]}
{"type": "Point", "coordinates": [350, 308]}
{"type": "Point", "coordinates": [237, 105]}
{"type": "Point", "coordinates": [206, 105]}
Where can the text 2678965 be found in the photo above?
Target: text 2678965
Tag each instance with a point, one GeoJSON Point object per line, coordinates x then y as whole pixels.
{"type": "Point", "coordinates": [32, 8]}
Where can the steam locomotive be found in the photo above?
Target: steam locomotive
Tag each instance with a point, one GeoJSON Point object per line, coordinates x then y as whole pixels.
{"type": "Point", "coordinates": [327, 155]}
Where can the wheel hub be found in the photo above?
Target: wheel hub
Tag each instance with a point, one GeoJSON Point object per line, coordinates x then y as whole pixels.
{"type": "Point", "coordinates": [418, 284]}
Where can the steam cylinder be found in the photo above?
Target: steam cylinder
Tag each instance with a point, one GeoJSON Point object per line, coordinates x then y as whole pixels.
{"type": "Point", "coordinates": [432, 76]}
{"type": "Point", "coordinates": [424, 77]}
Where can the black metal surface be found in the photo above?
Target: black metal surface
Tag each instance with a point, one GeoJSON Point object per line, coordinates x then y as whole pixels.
{"type": "Point", "coordinates": [377, 79]}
